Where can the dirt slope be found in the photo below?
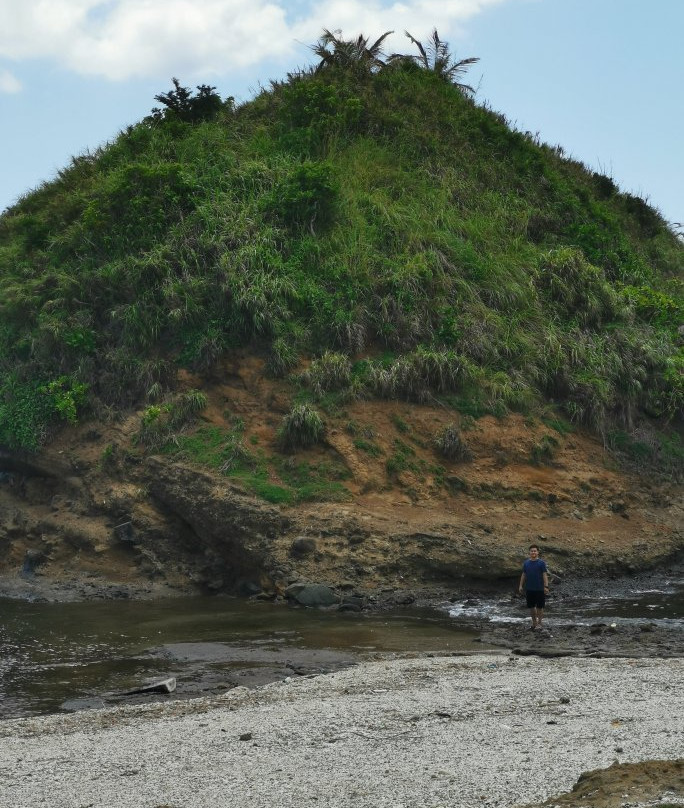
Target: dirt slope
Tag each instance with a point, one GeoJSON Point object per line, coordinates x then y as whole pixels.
{"type": "Point", "coordinates": [96, 507]}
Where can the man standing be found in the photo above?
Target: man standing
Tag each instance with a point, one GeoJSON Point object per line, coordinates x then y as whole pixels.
{"type": "Point", "coordinates": [535, 581]}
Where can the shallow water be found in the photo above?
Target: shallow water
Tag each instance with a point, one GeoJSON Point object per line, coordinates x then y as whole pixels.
{"type": "Point", "coordinates": [656, 600]}
{"type": "Point", "coordinates": [54, 652]}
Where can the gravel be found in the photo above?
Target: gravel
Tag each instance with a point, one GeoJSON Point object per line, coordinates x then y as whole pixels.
{"type": "Point", "coordinates": [477, 730]}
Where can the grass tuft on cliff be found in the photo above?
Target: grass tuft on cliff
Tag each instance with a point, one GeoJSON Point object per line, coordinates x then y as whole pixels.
{"type": "Point", "coordinates": [367, 213]}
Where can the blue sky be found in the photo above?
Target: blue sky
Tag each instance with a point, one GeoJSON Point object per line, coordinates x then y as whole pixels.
{"type": "Point", "coordinates": [602, 78]}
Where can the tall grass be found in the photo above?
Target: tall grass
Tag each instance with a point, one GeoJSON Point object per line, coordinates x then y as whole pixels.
{"type": "Point", "coordinates": [337, 216]}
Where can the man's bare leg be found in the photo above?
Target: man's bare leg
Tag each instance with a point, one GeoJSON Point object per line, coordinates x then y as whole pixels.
{"type": "Point", "coordinates": [536, 615]}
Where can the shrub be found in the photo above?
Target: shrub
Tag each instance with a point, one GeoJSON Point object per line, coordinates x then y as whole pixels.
{"type": "Point", "coordinates": [66, 396]}
{"type": "Point", "coordinates": [134, 206]}
{"type": "Point", "coordinates": [649, 221]}
{"type": "Point", "coordinates": [544, 450]}
{"type": "Point", "coordinates": [186, 406]}
{"type": "Point", "coordinates": [152, 430]}
{"type": "Point", "coordinates": [282, 358]}
{"type": "Point", "coordinates": [24, 413]}
{"type": "Point", "coordinates": [414, 375]}
{"type": "Point", "coordinates": [399, 423]}
{"type": "Point", "coordinates": [306, 198]}
{"type": "Point", "coordinates": [313, 111]}
{"type": "Point", "coordinates": [655, 306]}
{"type": "Point", "coordinates": [301, 427]}
{"type": "Point", "coordinates": [160, 423]}
{"type": "Point", "coordinates": [236, 455]}
{"type": "Point", "coordinates": [451, 445]}
{"type": "Point", "coordinates": [671, 395]}
{"type": "Point", "coordinates": [605, 187]}
{"type": "Point", "coordinates": [578, 290]}
{"type": "Point", "coordinates": [559, 424]}
{"type": "Point", "coordinates": [332, 371]}
{"type": "Point", "coordinates": [180, 104]}
{"type": "Point", "coordinates": [403, 458]}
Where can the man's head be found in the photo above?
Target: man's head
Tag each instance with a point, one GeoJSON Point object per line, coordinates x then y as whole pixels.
{"type": "Point", "coordinates": [534, 551]}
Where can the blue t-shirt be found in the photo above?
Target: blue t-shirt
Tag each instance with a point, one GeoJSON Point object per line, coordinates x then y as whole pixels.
{"type": "Point", "coordinates": [534, 570]}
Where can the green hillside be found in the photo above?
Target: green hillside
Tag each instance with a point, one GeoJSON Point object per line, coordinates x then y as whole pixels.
{"type": "Point", "coordinates": [367, 213]}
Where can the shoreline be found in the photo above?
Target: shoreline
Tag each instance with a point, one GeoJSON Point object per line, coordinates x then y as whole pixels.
{"type": "Point", "coordinates": [19, 585]}
{"type": "Point", "coordinates": [495, 731]}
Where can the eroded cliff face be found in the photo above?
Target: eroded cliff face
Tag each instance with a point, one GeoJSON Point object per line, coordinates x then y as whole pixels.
{"type": "Point", "coordinates": [96, 512]}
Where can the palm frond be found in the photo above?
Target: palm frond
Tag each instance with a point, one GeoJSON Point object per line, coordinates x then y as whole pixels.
{"type": "Point", "coordinates": [437, 58]}
{"type": "Point", "coordinates": [332, 49]}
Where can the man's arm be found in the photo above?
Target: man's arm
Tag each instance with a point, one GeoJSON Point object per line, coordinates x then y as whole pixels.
{"type": "Point", "coordinates": [545, 578]}
{"type": "Point", "coordinates": [522, 582]}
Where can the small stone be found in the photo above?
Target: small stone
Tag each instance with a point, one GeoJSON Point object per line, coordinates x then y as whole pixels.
{"type": "Point", "coordinates": [246, 736]}
{"type": "Point", "coordinates": [302, 546]}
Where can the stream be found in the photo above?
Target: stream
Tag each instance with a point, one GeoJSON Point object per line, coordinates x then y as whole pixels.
{"type": "Point", "coordinates": [68, 656]}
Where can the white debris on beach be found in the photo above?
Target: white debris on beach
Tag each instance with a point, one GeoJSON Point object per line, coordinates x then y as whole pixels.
{"type": "Point", "coordinates": [466, 731]}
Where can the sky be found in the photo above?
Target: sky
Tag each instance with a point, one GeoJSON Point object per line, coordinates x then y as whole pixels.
{"type": "Point", "coordinates": [601, 78]}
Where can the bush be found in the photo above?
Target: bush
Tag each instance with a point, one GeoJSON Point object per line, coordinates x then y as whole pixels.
{"type": "Point", "coordinates": [24, 413]}
{"type": "Point", "coordinates": [301, 428]}
{"type": "Point", "coordinates": [160, 423]}
{"type": "Point", "coordinates": [180, 104]}
{"type": "Point", "coordinates": [186, 406]}
{"type": "Point", "coordinates": [415, 375]}
{"type": "Point", "coordinates": [236, 456]}
{"type": "Point", "coordinates": [605, 187]}
{"type": "Point", "coordinates": [282, 358]}
{"type": "Point", "coordinates": [313, 111]}
{"type": "Point", "coordinates": [544, 450]}
{"type": "Point", "coordinates": [655, 306]}
{"type": "Point", "coordinates": [306, 198]}
{"type": "Point", "coordinates": [134, 206]}
{"type": "Point", "coordinates": [649, 221]}
{"type": "Point", "coordinates": [66, 396]}
{"type": "Point", "coordinates": [332, 371]}
{"type": "Point", "coordinates": [451, 445]}
{"type": "Point", "coordinates": [577, 289]}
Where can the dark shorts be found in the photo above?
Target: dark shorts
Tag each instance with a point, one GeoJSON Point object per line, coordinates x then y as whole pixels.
{"type": "Point", "coordinates": [535, 600]}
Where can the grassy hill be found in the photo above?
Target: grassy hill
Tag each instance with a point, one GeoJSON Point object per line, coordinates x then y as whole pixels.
{"type": "Point", "coordinates": [367, 220]}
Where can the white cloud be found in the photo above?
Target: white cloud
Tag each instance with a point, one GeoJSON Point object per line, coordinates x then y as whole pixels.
{"type": "Point", "coordinates": [119, 39]}
{"type": "Point", "coordinates": [9, 83]}
{"type": "Point", "coordinates": [374, 17]}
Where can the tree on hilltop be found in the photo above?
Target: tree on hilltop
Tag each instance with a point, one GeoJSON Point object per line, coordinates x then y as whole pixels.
{"type": "Point", "coordinates": [182, 104]}
{"type": "Point", "coordinates": [437, 58]}
{"type": "Point", "coordinates": [333, 51]}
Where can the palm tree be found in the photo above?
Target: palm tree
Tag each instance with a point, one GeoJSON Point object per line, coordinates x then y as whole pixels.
{"type": "Point", "coordinates": [332, 50]}
{"type": "Point", "coordinates": [437, 58]}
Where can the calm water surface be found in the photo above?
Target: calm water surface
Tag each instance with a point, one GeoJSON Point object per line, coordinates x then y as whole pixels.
{"type": "Point", "coordinates": [53, 652]}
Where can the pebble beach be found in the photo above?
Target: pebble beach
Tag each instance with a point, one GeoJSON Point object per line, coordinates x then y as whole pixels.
{"type": "Point", "coordinates": [459, 731]}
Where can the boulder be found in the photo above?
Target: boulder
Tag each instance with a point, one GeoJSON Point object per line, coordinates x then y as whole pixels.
{"type": "Point", "coordinates": [312, 594]}
{"type": "Point", "coordinates": [302, 546]}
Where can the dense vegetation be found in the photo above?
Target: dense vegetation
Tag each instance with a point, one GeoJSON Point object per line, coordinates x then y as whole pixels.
{"type": "Point", "coordinates": [367, 213]}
